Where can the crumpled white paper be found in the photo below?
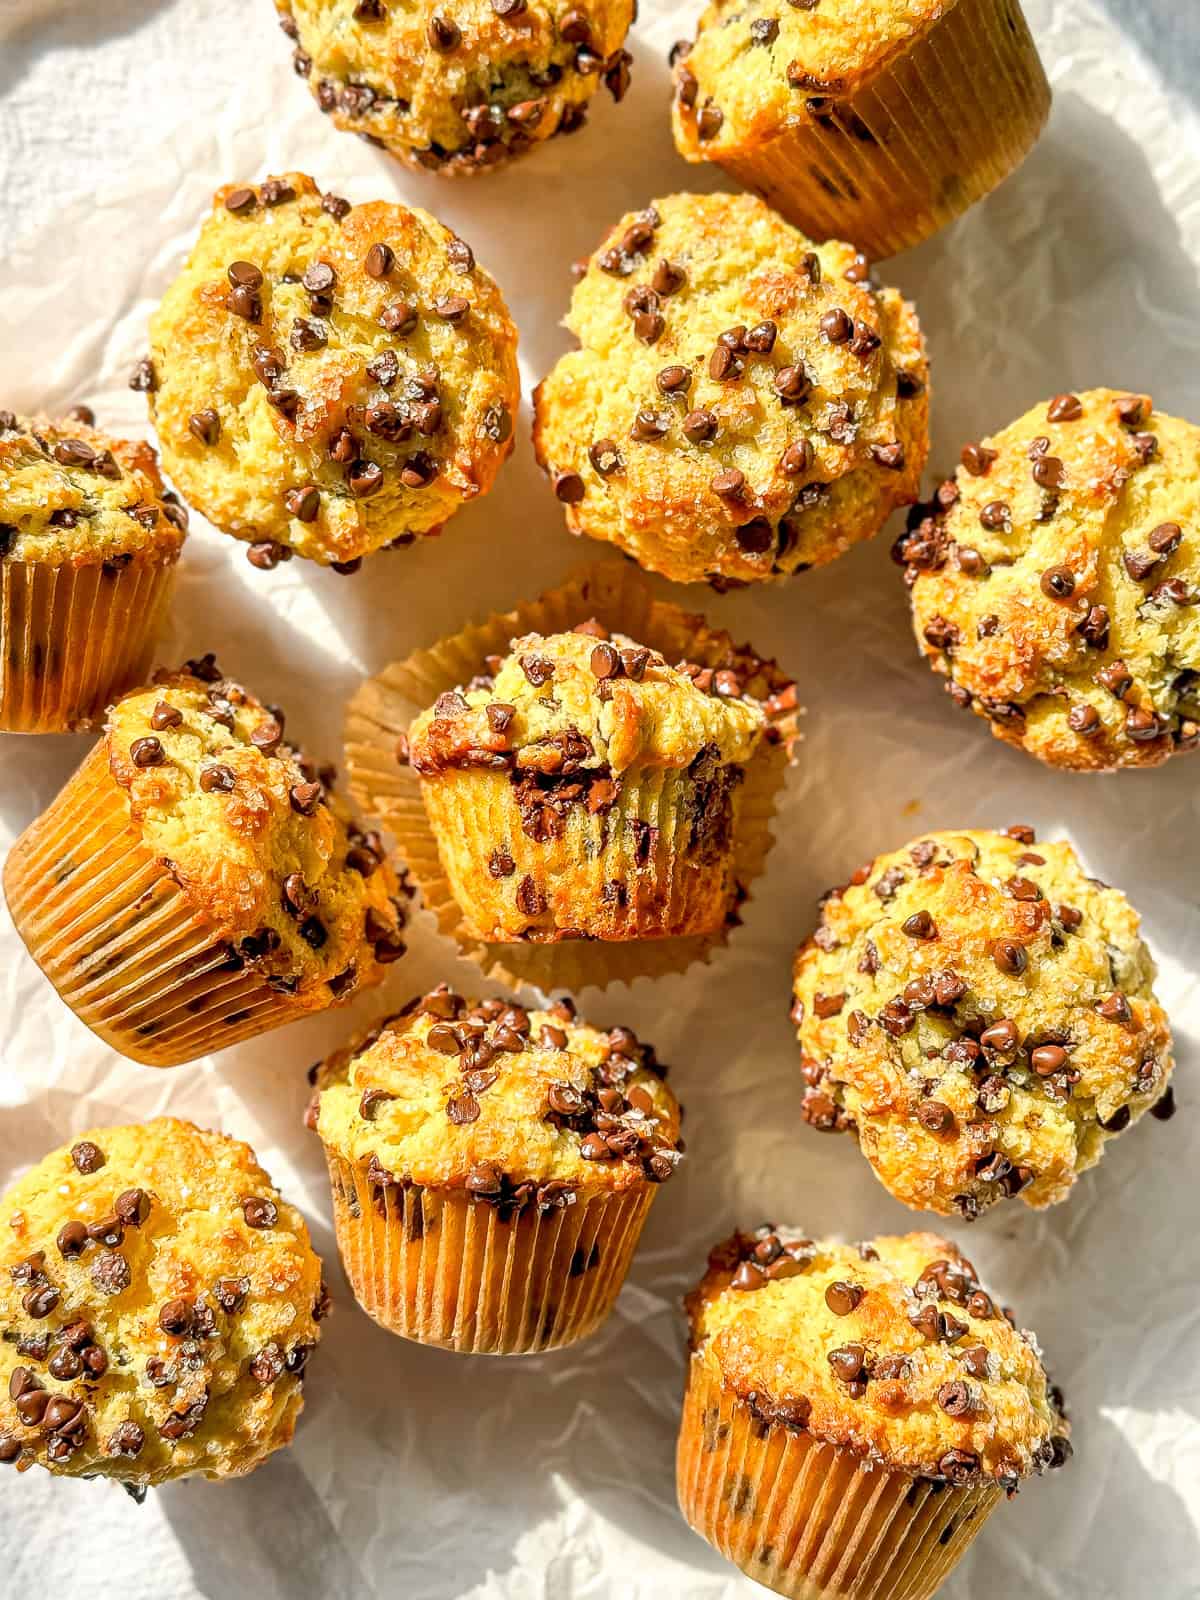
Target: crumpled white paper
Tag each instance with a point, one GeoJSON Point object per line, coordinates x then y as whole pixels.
{"type": "Point", "coordinates": [428, 1476]}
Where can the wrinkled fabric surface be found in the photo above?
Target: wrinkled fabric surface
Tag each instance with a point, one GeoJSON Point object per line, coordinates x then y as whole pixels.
{"type": "Point", "coordinates": [421, 1474]}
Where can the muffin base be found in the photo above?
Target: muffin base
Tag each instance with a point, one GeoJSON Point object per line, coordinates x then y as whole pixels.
{"type": "Point", "coordinates": [436, 1266]}
{"type": "Point", "coordinates": [116, 937]}
{"type": "Point", "coordinates": [73, 639]}
{"type": "Point", "coordinates": [919, 144]}
{"type": "Point", "coordinates": [810, 1520]}
{"type": "Point", "coordinates": [382, 709]}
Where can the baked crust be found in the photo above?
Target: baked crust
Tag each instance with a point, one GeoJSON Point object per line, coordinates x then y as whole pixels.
{"type": "Point", "coordinates": [982, 1014]}
{"type": "Point", "coordinates": [808, 444]}
{"type": "Point", "coordinates": [1056, 582]}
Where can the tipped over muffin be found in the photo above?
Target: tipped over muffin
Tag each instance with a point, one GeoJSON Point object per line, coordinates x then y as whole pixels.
{"type": "Point", "coordinates": [981, 1015]}
{"type": "Point", "coordinates": [492, 1168]}
{"type": "Point", "coordinates": [159, 1302]}
{"type": "Point", "coordinates": [328, 379]}
{"type": "Point", "coordinates": [1056, 582]}
{"type": "Point", "coordinates": [744, 403]}
{"type": "Point", "coordinates": [195, 882]}
{"type": "Point", "coordinates": [854, 1413]}
{"type": "Point", "coordinates": [89, 539]}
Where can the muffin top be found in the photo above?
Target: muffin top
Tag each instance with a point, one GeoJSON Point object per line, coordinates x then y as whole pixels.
{"type": "Point", "coordinates": [1056, 582]}
{"type": "Point", "coordinates": [515, 1105]}
{"type": "Point", "coordinates": [757, 68]}
{"type": "Point", "coordinates": [158, 1302]}
{"type": "Point", "coordinates": [329, 379]}
{"type": "Point", "coordinates": [745, 403]}
{"type": "Point", "coordinates": [591, 702]}
{"type": "Point", "coordinates": [982, 1013]}
{"type": "Point", "coordinates": [889, 1348]}
{"type": "Point", "coordinates": [71, 496]}
{"type": "Point", "coordinates": [458, 86]}
{"type": "Point", "coordinates": [251, 835]}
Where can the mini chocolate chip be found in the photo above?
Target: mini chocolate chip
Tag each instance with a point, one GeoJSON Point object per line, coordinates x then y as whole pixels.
{"type": "Point", "coordinates": [843, 1298]}
{"type": "Point", "coordinates": [1010, 957]}
{"type": "Point", "coordinates": [569, 488]}
{"type": "Point", "coordinates": [147, 752]}
{"type": "Point", "coordinates": [217, 779]}
{"type": "Point", "coordinates": [936, 1117]}
{"type": "Point", "coordinates": [259, 1212]}
{"type": "Point", "coordinates": [1058, 583]}
{"type": "Point", "coordinates": [88, 1157]}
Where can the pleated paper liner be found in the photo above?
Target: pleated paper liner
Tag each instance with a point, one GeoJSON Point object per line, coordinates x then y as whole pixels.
{"type": "Point", "coordinates": [116, 937]}
{"type": "Point", "coordinates": [434, 1265]}
{"type": "Point", "coordinates": [811, 1520]}
{"type": "Point", "coordinates": [933, 132]}
{"type": "Point", "coordinates": [384, 706]}
{"type": "Point", "coordinates": [73, 639]}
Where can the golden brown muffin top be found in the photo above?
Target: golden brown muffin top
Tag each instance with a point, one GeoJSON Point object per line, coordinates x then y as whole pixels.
{"type": "Point", "coordinates": [591, 703]}
{"type": "Point", "coordinates": [982, 1013]}
{"type": "Point", "coordinates": [890, 1348]}
{"type": "Point", "coordinates": [328, 378]}
{"type": "Point", "coordinates": [516, 1105]}
{"type": "Point", "coordinates": [252, 836]}
{"type": "Point", "coordinates": [744, 404]}
{"type": "Point", "coordinates": [158, 1302]}
{"type": "Point", "coordinates": [72, 496]}
{"type": "Point", "coordinates": [1056, 582]}
{"type": "Point", "coordinates": [755, 68]}
{"type": "Point", "coordinates": [458, 85]}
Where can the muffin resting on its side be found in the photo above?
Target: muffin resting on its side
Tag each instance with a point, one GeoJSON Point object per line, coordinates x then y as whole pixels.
{"type": "Point", "coordinates": [982, 1014]}
{"type": "Point", "coordinates": [492, 1168]}
{"type": "Point", "coordinates": [457, 88]}
{"type": "Point", "coordinates": [812, 1361]}
{"type": "Point", "coordinates": [745, 404]}
{"type": "Point", "coordinates": [329, 379]}
{"type": "Point", "coordinates": [1056, 582]}
{"type": "Point", "coordinates": [588, 790]}
{"type": "Point", "coordinates": [89, 539]}
{"type": "Point", "coordinates": [158, 1303]}
{"type": "Point", "coordinates": [194, 883]}
{"type": "Point", "coordinates": [865, 121]}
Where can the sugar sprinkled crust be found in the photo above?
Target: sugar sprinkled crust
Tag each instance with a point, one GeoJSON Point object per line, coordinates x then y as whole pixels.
{"type": "Point", "coordinates": [329, 379]}
{"type": "Point", "coordinates": [71, 496]}
{"type": "Point", "coordinates": [254, 837]}
{"type": "Point", "coordinates": [458, 88]}
{"type": "Point", "coordinates": [981, 1013]}
{"type": "Point", "coordinates": [158, 1303]}
{"type": "Point", "coordinates": [755, 68]}
{"type": "Point", "coordinates": [745, 404]}
{"type": "Point", "coordinates": [890, 1348]}
{"type": "Point", "coordinates": [577, 704]}
{"type": "Point", "coordinates": [1056, 582]}
{"type": "Point", "coordinates": [519, 1106]}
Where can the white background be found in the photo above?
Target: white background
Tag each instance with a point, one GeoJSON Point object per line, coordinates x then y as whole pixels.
{"type": "Point", "coordinates": [426, 1476]}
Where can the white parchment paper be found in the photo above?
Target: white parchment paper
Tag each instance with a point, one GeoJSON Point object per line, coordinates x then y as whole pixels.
{"type": "Point", "coordinates": [420, 1475]}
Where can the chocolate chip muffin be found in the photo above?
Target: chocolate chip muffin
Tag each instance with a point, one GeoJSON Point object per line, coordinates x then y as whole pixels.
{"type": "Point", "coordinates": [158, 1304]}
{"type": "Point", "coordinates": [585, 789]}
{"type": "Point", "coordinates": [328, 379]}
{"type": "Point", "coordinates": [458, 87]}
{"type": "Point", "coordinates": [195, 883]}
{"type": "Point", "coordinates": [1056, 582]}
{"type": "Point", "coordinates": [745, 404]}
{"type": "Point", "coordinates": [862, 121]}
{"type": "Point", "coordinates": [854, 1413]}
{"type": "Point", "coordinates": [89, 539]}
{"type": "Point", "coordinates": [492, 1169]}
{"type": "Point", "coordinates": [982, 1015]}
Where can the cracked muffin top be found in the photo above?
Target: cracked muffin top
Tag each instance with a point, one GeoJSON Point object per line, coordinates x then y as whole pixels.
{"type": "Point", "coordinates": [510, 1102]}
{"type": "Point", "coordinates": [890, 1348]}
{"type": "Point", "coordinates": [456, 86]}
{"type": "Point", "coordinates": [982, 1014]}
{"type": "Point", "coordinates": [72, 496]}
{"type": "Point", "coordinates": [744, 403]}
{"type": "Point", "coordinates": [252, 836]}
{"type": "Point", "coordinates": [326, 378]}
{"type": "Point", "coordinates": [1056, 582]}
{"type": "Point", "coordinates": [571, 702]}
{"type": "Point", "coordinates": [755, 68]}
{"type": "Point", "coordinates": [158, 1303]}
